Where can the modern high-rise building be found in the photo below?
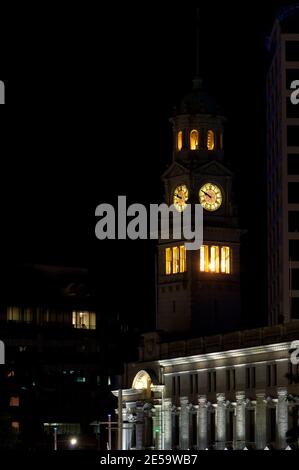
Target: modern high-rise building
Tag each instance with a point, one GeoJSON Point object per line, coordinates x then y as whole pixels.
{"type": "Point", "coordinates": [56, 376]}
{"type": "Point", "coordinates": [283, 169]}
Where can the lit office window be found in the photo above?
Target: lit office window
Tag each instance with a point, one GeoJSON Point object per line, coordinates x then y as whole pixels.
{"type": "Point", "coordinates": [176, 260]}
{"type": "Point", "coordinates": [204, 258]}
{"type": "Point", "coordinates": [14, 401]}
{"type": "Point", "coordinates": [84, 320]}
{"type": "Point", "coordinates": [182, 259]}
{"type": "Point", "coordinates": [168, 261]}
{"type": "Point", "coordinates": [225, 260]}
{"type": "Point", "coordinates": [14, 314]}
{"type": "Point", "coordinates": [215, 259]}
{"type": "Point", "coordinates": [15, 426]}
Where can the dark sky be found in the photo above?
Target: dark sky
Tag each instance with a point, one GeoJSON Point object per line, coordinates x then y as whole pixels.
{"type": "Point", "coordinates": [90, 93]}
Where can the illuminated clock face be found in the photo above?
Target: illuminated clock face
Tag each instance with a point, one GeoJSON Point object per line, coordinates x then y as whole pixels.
{"type": "Point", "coordinates": [180, 197]}
{"type": "Point", "coordinates": [210, 197]}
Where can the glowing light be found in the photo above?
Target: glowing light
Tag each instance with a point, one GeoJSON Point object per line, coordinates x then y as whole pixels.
{"type": "Point", "coordinates": [180, 141]}
{"type": "Point", "coordinates": [142, 381]}
{"type": "Point", "coordinates": [215, 259]}
{"type": "Point", "coordinates": [225, 260]}
{"type": "Point", "coordinates": [180, 198]}
{"type": "Point", "coordinates": [176, 260]}
{"type": "Point", "coordinates": [194, 140]}
{"type": "Point", "coordinates": [211, 140]}
{"type": "Point", "coordinates": [168, 261]}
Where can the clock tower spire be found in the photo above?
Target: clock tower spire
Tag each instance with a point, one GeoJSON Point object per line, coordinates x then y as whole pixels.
{"type": "Point", "coordinates": [199, 291]}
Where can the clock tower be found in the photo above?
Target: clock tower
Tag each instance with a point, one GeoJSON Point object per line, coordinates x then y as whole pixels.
{"type": "Point", "coordinates": [199, 291]}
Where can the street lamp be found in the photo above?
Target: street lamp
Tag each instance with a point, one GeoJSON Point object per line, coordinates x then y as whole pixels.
{"type": "Point", "coordinates": [73, 441]}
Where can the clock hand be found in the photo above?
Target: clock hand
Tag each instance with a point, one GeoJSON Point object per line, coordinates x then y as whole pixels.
{"type": "Point", "coordinates": [207, 194]}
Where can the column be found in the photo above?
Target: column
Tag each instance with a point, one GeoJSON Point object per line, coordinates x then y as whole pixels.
{"type": "Point", "coordinates": [240, 421]}
{"type": "Point", "coordinates": [157, 427]}
{"type": "Point", "coordinates": [184, 424]}
{"type": "Point", "coordinates": [220, 422]}
{"type": "Point", "coordinates": [202, 423]}
{"type": "Point", "coordinates": [139, 427]}
{"type": "Point", "coordinates": [125, 431]}
{"type": "Point", "coordinates": [260, 421]}
{"type": "Point", "coordinates": [128, 425]}
{"type": "Point", "coordinates": [282, 419]}
{"type": "Point", "coordinates": [167, 424]}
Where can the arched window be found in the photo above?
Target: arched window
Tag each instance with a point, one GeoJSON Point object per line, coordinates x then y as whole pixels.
{"type": "Point", "coordinates": [194, 140]}
{"type": "Point", "coordinates": [211, 140]}
{"type": "Point", "coordinates": [180, 141]}
{"type": "Point", "coordinates": [221, 141]}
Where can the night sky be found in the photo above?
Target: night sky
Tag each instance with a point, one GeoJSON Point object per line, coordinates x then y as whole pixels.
{"type": "Point", "coordinates": [89, 95]}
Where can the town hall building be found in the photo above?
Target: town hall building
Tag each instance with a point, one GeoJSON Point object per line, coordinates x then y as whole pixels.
{"type": "Point", "coordinates": [201, 382]}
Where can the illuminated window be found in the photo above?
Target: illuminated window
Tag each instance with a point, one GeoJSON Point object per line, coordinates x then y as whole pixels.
{"type": "Point", "coordinates": [204, 258]}
{"type": "Point", "coordinates": [182, 259]}
{"type": "Point", "coordinates": [215, 259]}
{"type": "Point", "coordinates": [180, 141]}
{"type": "Point", "coordinates": [81, 380]}
{"type": "Point", "coordinates": [84, 320]}
{"type": "Point", "coordinates": [176, 260]}
{"type": "Point", "coordinates": [225, 260]}
{"type": "Point", "coordinates": [14, 314]}
{"type": "Point", "coordinates": [15, 426]}
{"type": "Point", "coordinates": [211, 140]}
{"type": "Point", "coordinates": [14, 401]}
{"type": "Point", "coordinates": [168, 260]}
{"type": "Point", "coordinates": [194, 140]}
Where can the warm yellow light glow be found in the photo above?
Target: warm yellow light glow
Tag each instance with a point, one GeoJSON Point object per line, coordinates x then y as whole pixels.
{"type": "Point", "coordinates": [142, 381]}
{"type": "Point", "coordinates": [204, 258]}
{"type": "Point", "coordinates": [180, 197]}
{"type": "Point", "coordinates": [14, 401]}
{"type": "Point", "coordinates": [194, 140]}
{"type": "Point", "coordinates": [225, 260]}
{"type": "Point", "coordinates": [168, 261]}
{"type": "Point", "coordinates": [180, 141]}
{"type": "Point", "coordinates": [84, 320]}
{"type": "Point", "coordinates": [15, 425]}
{"type": "Point", "coordinates": [211, 140]}
{"type": "Point", "coordinates": [182, 259]}
{"type": "Point", "coordinates": [210, 197]}
{"type": "Point", "coordinates": [175, 260]}
{"type": "Point", "coordinates": [214, 259]}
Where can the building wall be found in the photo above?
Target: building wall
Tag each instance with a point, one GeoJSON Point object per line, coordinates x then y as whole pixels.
{"type": "Point", "coordinates": [222, 397]}
{"type": "Point", "coordinates": [282, 147]}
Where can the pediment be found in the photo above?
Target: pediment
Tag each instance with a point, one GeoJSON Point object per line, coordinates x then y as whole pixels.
{"type": "Point", "coordinates": [214, 169]}
{"type": "Point", "coordinates": [174, 170]}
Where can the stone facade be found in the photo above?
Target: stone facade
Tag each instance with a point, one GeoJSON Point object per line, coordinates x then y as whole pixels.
{"type": "Point", "coordinates": [220, 397]}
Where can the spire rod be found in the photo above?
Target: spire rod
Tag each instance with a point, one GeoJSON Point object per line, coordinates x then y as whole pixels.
{"type": "Point", "coordinates": [197, 81]}
{"type": "Point", "coordinates": [197, 41]}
